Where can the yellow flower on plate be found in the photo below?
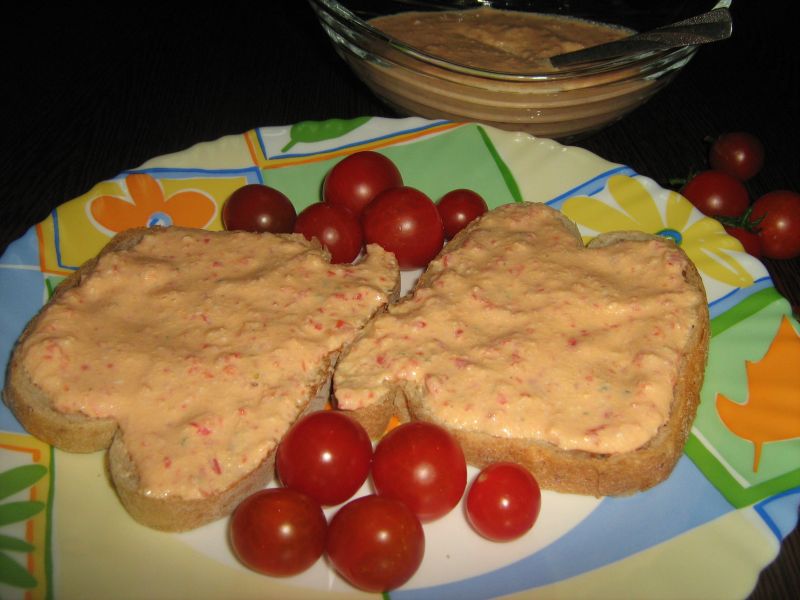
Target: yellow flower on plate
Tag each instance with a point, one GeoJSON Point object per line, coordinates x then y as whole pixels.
{"type": "Point", "coordinates": [704, 240]}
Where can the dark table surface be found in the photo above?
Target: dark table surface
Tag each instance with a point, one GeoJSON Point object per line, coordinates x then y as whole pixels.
{"type": "Point", "coordinates": [97, 90]}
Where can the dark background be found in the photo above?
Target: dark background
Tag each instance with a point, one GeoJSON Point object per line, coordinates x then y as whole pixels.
{"type": "Point", "coordinates": [93, 90]}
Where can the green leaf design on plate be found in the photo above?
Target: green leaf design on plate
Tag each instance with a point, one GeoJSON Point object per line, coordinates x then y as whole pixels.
{"type": "Point", "coordinates": [17, 479]}
{"type": "Point", "coordinates": [309, 132]}
{"type": "Point", "coordinates": [12, 573]}
{"type": "Point", "coordinates": [13, 481]}
{"type": "Point", "coordinates": [15, 544]}
{"type": "Point", "coordinates": [51, 282]}
{"type": "Point", "coordinates": [14, 512]}
{"type": "Point", "coordinates": [508, 177]}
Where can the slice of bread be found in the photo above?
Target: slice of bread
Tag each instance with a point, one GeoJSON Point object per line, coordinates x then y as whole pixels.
{"type": "Point", "coordinates": [584, 364]}
{"type": "Point", "coordinates": [188, 354]}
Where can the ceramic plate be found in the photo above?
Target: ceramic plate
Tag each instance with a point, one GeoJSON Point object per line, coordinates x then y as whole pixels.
{"type": "Point", "coordinates": [706, 531]}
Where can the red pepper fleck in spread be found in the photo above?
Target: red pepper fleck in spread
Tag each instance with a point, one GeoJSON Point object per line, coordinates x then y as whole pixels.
{"type": "Point", "coordinates": [579, 349]}
{"type": "Point", "coordinates": [209, 368]}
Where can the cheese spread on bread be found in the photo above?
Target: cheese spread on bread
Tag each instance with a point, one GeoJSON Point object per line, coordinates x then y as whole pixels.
{"type": "Point", "coordinates": [522, 332]}
{"type": "Point", "coordinates": [203, 346]}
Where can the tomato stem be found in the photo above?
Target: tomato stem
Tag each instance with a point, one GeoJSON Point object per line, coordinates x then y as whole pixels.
{"type": "Point", "coordinates": [743, 221]}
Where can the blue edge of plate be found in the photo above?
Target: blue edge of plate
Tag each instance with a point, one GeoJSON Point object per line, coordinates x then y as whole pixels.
{"type": "Point", "coordinates": [617, 528]}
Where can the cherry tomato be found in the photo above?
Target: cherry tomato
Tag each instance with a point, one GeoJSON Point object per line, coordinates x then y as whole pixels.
{"type": "Point", "coordinates": [422, 465]}
{"type": "Point", "coordinates": [375, 543]}
{"type": "Point", "coordinates": [749, 239]}
{"type": "Point", "coordinates": [326, 455]}
{"type": "Point", "coordinates": [503, 502]}
{"type": "Point", "coordinates": [779, 225]}
{"type": "Point", "coordinates": [259, 208]}
{"type": "Point", "coordinates": [739, 154]}
{"type": "Point", "coordinates": [458, 208]}
{"type": "Point", "coordinates": [717, 194]}
{"type": "Point", "coordinates": [278, 532]}
{"type": "Point", "coordinates": [337, 229]}
{"type": "Point", "coordinates": [404, 221]}
{"type": "Point", "coordinates": [355, 181]}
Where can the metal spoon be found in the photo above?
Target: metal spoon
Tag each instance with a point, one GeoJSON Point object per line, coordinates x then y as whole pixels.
{"type": "Point", "coordinates": [708, 27]}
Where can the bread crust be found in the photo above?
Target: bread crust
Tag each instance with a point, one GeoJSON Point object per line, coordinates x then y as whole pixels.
{"type": "Point", "coordinates": [570, 471]}
{"type": "Point", "coordinates": [31, 407]}
{"type": "Point", "coordinates": [75, 432]}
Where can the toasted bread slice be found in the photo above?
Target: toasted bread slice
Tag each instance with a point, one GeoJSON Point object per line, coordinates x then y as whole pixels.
{"type": "Point", "coordinates": [188, 354]}
{"type": "Point", "coordinates": [584, 364]}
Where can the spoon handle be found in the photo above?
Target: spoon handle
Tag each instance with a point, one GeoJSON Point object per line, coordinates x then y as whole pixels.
{"type": "Point", "coordinates": [708, 27]}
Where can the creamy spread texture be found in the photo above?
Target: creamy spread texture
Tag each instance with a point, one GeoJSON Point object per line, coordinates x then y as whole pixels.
{"type": "Point", "coordinates": [524, 333]}
{"type": "Point", "coordinates": [203, 346]}
{"type": "Point", "coordinates": [498, 40]}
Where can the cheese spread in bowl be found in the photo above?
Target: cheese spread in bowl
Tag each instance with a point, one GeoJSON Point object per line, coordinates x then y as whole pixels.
{"type": "Point", "coordinates": [468, 61]}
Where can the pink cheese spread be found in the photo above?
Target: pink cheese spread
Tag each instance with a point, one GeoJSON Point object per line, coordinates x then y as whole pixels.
{"type": "Point", "coordinates": [498, 40]}
{"type": "Point", "coordinates": [203, 347]}
{"type": "Point", "coordinates": [524, 333]}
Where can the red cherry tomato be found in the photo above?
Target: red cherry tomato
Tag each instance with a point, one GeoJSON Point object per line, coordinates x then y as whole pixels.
{"type": "Point", "coordinates": [779, 225]}
{"type": "Point", "coordinates": [717, 194]}
{"type": "Point", "coordinates": [749, 239]}
{"type": "Point", "coordinates": [326, 455]}
{"type": "Point", "coordinates": [458, 208]}
{"type": "Point", "coordinates": [337, 229]}
{"type": "Point", "coordinates": [404, 221]}
{"type": "Point", "coordinates": [375, 543]}
{"type": "Point", "coordinates": [421, 465]}
{"type": "Point", "coordinates": [503, 502]}
{"type": "Point", "coordinates": [278, 532]}
{"type": "Point", "coordinates": [355, 181]}
{"type": "Point", "coordinates": [739, 154]}
{"type": "Point", "coordinates": [258, 208]}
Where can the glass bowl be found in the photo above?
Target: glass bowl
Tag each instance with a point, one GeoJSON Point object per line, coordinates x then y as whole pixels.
{"type": "Point", "coordinates": [562, 104]}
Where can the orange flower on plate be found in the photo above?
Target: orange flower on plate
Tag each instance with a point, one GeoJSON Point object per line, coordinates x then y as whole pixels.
{"type": "Point", "coordinates": [148, 207]}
